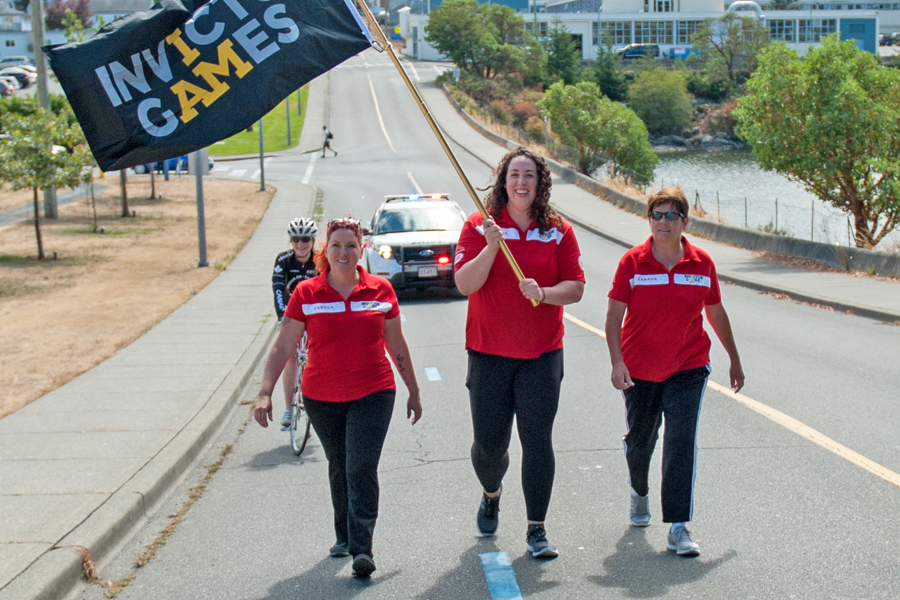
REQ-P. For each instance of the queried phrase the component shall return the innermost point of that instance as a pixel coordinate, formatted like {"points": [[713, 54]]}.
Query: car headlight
{"points": [[385, 252]]}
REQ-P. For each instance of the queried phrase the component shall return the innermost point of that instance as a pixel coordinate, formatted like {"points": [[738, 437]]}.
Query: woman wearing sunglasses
{"points": [[292, 267], [660, 358], [348, 385]]}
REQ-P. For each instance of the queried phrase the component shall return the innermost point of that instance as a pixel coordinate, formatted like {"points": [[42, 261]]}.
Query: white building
{"points": [[668, 23]]}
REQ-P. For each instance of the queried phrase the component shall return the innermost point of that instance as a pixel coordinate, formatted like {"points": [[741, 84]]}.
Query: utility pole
{"points": [[43, 95]]}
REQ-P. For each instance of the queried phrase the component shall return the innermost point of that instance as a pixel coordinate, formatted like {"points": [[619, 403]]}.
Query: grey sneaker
{"points": [[339, 550], [363, 565], [488, 518], [538, 544], [680, 541], [286, 419], [640, 510]]}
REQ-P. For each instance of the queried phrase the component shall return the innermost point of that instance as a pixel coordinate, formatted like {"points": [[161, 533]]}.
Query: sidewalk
{"points": [[868, 297], [84, 463]]}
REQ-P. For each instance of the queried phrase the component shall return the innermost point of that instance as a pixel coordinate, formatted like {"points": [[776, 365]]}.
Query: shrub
{"points": [[523, 111], [660, 98]]}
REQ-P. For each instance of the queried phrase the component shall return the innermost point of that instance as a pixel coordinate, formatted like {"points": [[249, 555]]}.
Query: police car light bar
{"points": [[414, 197]]}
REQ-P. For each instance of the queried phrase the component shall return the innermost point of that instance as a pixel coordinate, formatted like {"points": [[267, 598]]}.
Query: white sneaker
{"points": [[640, 510], [680, 541]]}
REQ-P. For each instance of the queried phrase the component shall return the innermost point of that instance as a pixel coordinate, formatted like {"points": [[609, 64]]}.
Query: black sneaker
{"points": [[488, 518], [538, 544], [339, 550], [363, 565]]}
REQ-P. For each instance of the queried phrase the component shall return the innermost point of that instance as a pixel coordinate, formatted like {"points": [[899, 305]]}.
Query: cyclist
{"points": [[292, 267]]}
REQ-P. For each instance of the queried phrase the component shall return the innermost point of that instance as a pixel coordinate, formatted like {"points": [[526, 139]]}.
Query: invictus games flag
{"points": [[164, 82]]}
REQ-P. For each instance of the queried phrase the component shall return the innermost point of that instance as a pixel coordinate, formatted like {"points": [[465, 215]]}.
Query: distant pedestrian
{"points": [[326, 141], [660, 358], [516, 349], [348, 385]]}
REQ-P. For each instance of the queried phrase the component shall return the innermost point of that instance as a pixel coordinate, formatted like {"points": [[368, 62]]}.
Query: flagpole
{"points": [[440, 136]]}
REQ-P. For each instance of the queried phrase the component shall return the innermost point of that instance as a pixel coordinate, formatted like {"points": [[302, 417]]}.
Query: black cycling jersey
{"points": [[287, 274]]}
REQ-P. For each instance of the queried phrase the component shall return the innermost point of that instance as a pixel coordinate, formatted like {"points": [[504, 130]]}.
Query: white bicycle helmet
{"points": [[302, 227]]}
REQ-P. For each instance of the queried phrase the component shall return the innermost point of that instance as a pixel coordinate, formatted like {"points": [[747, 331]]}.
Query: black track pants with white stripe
{"points": [[677, 400]]}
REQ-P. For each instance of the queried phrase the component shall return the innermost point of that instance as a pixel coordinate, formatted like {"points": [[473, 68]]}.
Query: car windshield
{"points": [[438, 218]]}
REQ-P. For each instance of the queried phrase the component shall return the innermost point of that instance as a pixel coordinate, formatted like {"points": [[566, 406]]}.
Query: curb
{"points": [[57, 572]]}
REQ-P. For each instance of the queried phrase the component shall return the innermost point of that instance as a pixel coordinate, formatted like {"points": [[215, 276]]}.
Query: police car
{"points": [[411, 240]]}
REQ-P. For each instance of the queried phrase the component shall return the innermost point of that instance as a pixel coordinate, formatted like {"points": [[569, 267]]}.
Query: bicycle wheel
{"points": [[299, 428]]}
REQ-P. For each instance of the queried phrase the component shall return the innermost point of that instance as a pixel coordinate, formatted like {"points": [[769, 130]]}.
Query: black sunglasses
{"points": [[302, 238], [670, 216]]}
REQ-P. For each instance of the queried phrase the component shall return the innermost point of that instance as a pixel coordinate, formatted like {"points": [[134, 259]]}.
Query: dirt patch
{"points": [[59, 318]]}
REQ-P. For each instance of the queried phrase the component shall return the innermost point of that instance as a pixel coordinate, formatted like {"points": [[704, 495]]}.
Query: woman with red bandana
{"points": [[348, 386]]}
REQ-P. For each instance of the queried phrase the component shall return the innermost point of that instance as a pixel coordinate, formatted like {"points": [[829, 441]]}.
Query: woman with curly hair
{"points": [[515, 349]]}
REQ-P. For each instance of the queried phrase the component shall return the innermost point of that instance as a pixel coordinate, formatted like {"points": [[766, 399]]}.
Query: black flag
{"points": [[164, 82]]}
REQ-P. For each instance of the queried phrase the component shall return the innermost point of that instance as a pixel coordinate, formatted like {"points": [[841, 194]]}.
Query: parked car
{"points": [[639, 51], [14, 61], [24, 76], [411, 240], [886, 40], [8, 85], [176, 165]]}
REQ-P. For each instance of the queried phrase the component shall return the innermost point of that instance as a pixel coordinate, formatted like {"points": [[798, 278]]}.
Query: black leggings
{"points": [[501, 388], [352, 435]]}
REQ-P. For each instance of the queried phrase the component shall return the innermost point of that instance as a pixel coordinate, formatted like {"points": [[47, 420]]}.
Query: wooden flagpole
{"points": [[383, 41]]}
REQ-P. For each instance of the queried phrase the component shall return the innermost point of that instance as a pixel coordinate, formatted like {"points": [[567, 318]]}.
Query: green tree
{"points": [[599, 129], [782, 5], [484, 39], [729, 47], [41, 151], [562, 54], [606, 72], [830, 121], [660, 98], [56, 13]]}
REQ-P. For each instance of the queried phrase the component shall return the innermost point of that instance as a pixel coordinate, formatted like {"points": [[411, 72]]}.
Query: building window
{"points": [[662, 6], [541, 31], [813, 30], [10, 43], [653, 32], [616, 32], [685, 30], [782, 30]]}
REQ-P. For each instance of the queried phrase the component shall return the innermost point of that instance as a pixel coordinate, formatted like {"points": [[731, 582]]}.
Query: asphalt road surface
{"points": [[776, 515]]}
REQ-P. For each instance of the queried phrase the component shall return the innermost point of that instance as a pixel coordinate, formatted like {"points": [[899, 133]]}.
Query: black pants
{"points": [[352, 434], [501, 388], [678, 399]]}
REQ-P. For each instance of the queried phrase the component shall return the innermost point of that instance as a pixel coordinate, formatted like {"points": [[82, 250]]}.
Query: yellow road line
{"points": [[414, 182], [785, 421], [378, 114]]}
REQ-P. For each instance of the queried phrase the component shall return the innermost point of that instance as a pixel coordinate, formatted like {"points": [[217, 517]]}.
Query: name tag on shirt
{"points": [[362, 305], [701, 280], [323, 307], [658, 279], [551, 235]]}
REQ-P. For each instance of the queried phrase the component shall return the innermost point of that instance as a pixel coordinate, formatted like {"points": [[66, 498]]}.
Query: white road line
{"points": [[440, 70], [309, 168], [378, 113], [786, 421], [413, 69], [255, 174], [432, 374], [415, 184], [238, 172]]}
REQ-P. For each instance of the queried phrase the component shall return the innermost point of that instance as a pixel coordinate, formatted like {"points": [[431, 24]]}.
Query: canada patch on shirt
{"points": [[685, 279], [551, 235], [323, 307], [658, 279], [363, 305]]}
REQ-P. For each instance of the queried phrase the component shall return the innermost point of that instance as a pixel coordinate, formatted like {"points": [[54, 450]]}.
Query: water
{"points": [[735, 176]]}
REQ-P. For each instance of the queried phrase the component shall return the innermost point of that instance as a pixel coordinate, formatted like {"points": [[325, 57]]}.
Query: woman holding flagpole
{"points": [[515, 348]]}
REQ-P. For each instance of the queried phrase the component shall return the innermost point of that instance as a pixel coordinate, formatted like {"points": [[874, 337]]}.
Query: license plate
{"points": [[427, 271]]}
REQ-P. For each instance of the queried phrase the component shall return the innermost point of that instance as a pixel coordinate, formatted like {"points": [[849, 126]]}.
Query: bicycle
{"points": [[299, 427]]}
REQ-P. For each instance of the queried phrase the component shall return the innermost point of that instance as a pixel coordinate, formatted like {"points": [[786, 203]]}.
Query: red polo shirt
{"points": [[500, 320], [346, 337], [663, 331]]}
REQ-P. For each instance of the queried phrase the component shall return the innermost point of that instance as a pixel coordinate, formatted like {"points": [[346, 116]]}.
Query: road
{"points": [[776, 515]]}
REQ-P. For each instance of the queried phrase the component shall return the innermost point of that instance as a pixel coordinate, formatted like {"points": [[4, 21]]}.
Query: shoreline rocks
{"points": [[696, 141]]}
